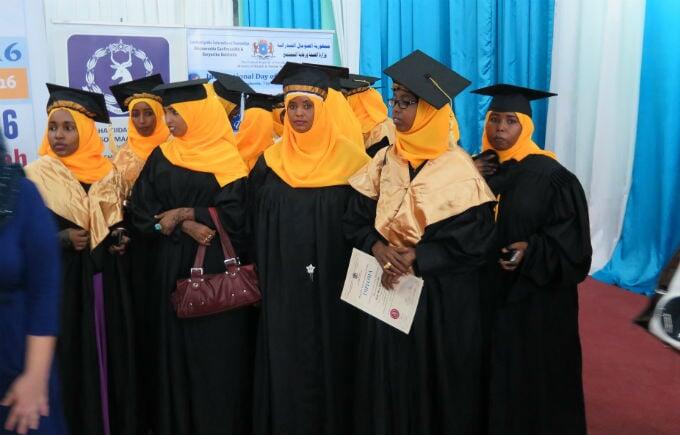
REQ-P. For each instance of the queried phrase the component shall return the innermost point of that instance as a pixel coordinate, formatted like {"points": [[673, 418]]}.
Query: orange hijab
{"points": [[87, 163], [209, 143], [319, 157], [143, 145], [276, 117], [524, 145], [344, 118], [255, 134], [369, 108], [429, 135]]}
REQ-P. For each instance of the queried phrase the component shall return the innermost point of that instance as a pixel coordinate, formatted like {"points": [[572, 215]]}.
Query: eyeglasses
{"points": [[403, 104]]}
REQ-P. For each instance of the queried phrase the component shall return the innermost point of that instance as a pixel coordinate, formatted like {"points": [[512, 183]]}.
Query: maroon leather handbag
{"points": [[202, 294]]}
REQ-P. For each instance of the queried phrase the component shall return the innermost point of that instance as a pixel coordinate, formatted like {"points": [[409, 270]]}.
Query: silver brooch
{"points": [[310, 272]]}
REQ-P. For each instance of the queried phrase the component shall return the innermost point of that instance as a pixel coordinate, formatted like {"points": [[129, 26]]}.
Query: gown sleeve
{"points": [[358, 222], [456, 244], [560, 252], [231, 206], [42, 282], [143, 204]]}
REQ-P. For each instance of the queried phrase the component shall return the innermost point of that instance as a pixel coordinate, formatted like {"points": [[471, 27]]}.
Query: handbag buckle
{"points": [[196, 272], [236, 262]]}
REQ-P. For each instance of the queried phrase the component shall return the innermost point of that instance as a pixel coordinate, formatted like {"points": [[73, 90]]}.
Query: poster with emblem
{"points": [[23, 73], [255, 54], [93, 58]]}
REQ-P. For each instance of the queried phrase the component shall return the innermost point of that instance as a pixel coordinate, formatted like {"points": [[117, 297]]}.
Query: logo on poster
{"points": [[263, 49], [121, 57]]}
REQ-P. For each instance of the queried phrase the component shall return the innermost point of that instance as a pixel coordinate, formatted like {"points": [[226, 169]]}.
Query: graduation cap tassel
{"points": [[113, 146], [434, 82]]}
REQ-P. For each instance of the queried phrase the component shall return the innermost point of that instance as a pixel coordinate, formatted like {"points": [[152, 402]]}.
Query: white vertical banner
{"points": [[93, 57], [347, 16], [592, 124], [23, 73], [255, 54]]}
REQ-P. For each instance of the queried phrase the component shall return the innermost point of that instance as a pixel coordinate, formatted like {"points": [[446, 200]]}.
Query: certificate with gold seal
{"points": [[396, 307]]}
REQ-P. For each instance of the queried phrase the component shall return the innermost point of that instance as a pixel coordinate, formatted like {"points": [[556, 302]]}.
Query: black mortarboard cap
{"points": [[230, 87], [335, 74], [179, 92], [302, 75], [93, 103], [124, 92], [427, 78], [356, 81], [278, 101], [510, 98], [263, 101]]}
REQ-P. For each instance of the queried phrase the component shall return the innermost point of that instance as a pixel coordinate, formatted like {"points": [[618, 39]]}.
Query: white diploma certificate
{"points": [[396, 307]]}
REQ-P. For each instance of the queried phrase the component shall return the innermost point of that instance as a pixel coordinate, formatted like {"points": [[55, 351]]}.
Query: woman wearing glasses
{"points": [[423, 209]]}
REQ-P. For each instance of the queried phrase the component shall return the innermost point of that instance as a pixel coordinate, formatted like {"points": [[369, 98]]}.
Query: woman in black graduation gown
{"points": [[423, 208], [299, 192], [146, 130], [203, 365], [95, 352], [542, 219]]}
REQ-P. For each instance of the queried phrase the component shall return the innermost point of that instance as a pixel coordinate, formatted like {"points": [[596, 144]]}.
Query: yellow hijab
{"points": [[255, 135], [276, 118], [87, 163], [344, 118], [143, 145], [209, 143], [524, 145], [319, 157], [428, 137], [369, 108]]}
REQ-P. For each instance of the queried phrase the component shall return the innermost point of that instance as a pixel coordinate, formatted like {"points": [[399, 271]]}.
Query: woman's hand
{"points": [[486, 164], [389, 280], [521, 248], [408, 256], [168, 220], [390, 260], [28, 400], [79, 238], [199, 232]]}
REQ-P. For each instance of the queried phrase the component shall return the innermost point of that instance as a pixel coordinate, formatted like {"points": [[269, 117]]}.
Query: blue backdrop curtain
{"points": [[487, 41], [651, 226], [293, 14]]}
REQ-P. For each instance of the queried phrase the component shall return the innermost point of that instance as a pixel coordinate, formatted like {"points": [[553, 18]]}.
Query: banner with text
{"points": [[255, 54], [23, 72]]}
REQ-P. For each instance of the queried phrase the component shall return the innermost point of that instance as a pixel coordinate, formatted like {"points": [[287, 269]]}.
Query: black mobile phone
{"points": [[120, 235], [511, 255]]}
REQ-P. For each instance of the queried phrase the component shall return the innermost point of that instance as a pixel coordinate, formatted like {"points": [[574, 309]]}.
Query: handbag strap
{"points": [[225, 241]]}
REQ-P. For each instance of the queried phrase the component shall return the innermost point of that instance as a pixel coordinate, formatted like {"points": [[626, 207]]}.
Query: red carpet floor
{"points": [[631, 380]]}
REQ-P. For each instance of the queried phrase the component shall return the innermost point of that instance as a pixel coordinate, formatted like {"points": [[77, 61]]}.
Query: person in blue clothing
{"points": [[29, 305]]}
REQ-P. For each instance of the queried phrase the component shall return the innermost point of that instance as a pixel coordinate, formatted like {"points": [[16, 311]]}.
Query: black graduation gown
{"points": [[77, 354], [202, 366], [306, 338], [536, 386], [373, 149], [141, 260], [430, 381]]}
